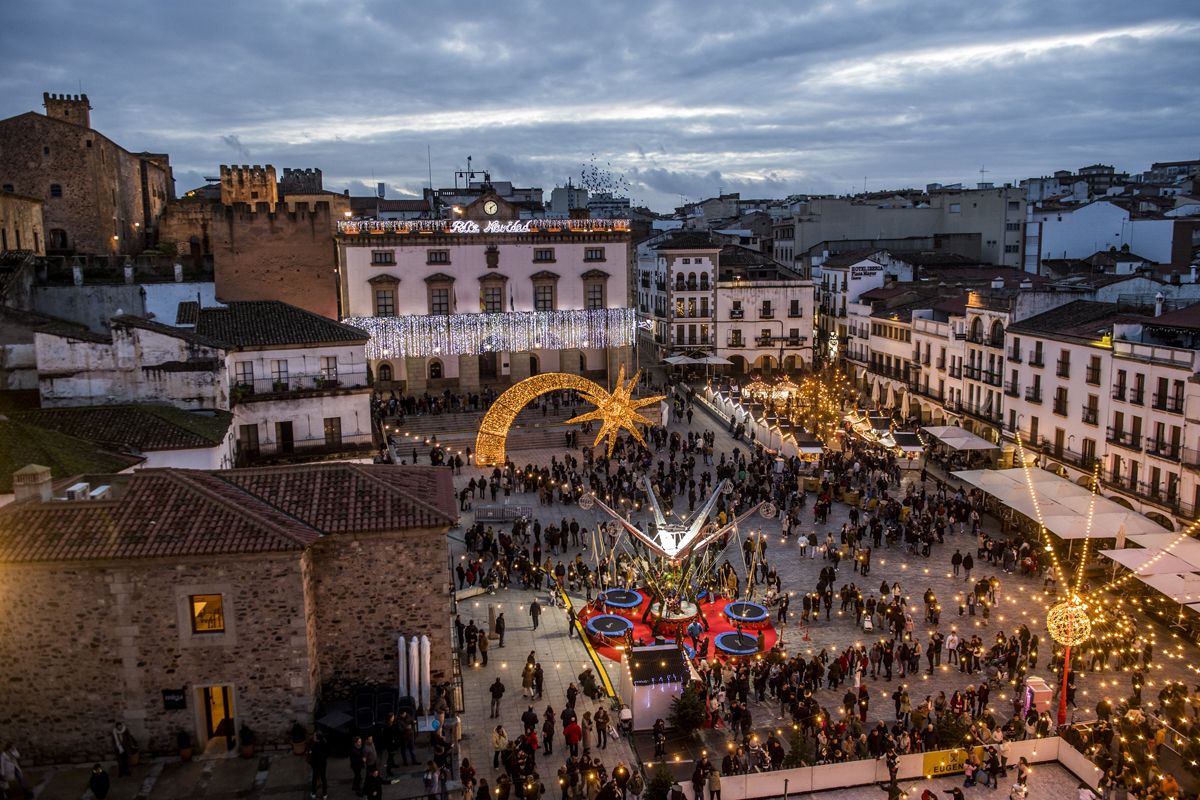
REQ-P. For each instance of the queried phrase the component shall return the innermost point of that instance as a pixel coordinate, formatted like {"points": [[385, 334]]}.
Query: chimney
{"points": [[997, 282], [31, 482], [1158, 304], [1026, 284]]}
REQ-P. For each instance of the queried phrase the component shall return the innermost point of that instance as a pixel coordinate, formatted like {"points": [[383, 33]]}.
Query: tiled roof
{"points": [[850, 257], [168, 513], [263, 323], [1186, 317], [689, 240], [344, 498], [135, 427], [22, 444], [1080, 318]]}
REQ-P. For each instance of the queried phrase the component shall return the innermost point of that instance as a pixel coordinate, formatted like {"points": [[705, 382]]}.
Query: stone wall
{"points": [[259, 254], [106, 191], [87, 643], [21, 223], [371, 589]]}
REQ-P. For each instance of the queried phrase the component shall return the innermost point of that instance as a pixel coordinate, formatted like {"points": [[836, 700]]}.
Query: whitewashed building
{"points": [[293, 380], [488, 298]]}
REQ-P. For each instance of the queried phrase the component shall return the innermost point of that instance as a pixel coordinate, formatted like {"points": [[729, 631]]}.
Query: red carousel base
{"points": [[644, 632]]}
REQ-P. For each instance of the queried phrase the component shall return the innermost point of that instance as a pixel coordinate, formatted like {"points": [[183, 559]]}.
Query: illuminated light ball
{"points": [[586, 502], [768, 511], [1068, 622]]}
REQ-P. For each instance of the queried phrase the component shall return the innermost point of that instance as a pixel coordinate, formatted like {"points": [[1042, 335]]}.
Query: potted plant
{"points": [[279, 386], [299, 739], [247, 738], [183, 741]]}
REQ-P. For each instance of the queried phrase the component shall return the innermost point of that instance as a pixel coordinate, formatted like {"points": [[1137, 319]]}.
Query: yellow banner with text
{"points": [[947, 762]]}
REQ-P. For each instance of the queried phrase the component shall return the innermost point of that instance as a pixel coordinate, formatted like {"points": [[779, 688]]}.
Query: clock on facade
{"points": [[490, 208]]}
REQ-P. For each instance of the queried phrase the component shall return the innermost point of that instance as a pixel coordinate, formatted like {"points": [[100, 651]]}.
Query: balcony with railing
{"points": [[1172, 405], [1126, 439], [991, 378], [766, 312], [1137, 397], [735, 341], [737, 312], [1060, 407], [955, 370], [989, 412], [941, 363], [1061, 454], [1014, 355], [246, 390], [1036, 359], [1012, 389], [1163, 449], [1157, 354], [1091, 415], [1062, 368], [1034, 394], [1118, 392], [1092, 375], [972, 372]]}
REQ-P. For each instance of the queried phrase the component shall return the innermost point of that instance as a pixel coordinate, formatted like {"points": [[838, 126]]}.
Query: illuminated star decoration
{"points": [[617, 409]]}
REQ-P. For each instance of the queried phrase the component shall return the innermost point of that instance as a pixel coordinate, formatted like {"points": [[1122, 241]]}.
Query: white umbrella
{"points": [[715, 360], [677, 360]]}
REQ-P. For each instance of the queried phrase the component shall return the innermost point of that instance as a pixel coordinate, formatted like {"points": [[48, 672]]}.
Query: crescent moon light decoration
{"points": [[615, 410]]}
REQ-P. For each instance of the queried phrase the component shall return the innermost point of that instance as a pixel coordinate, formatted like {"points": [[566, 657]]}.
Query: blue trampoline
{"points": [[622, 598], [747, 613], [736, 644], [608, 626]]}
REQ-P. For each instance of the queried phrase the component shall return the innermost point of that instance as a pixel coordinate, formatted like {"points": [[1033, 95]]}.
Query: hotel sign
{"points": [[466, 227]]}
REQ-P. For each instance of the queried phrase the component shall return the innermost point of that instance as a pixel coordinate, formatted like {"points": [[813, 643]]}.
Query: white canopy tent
{"points": [[1185, 547], [1149, 562], [1182, 587], [1063, 504], [957, 438]]}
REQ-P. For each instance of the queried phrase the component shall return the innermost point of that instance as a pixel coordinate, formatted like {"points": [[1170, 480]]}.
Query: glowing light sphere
{"points": [[768, 511], [1068, 622], [586, 502]]}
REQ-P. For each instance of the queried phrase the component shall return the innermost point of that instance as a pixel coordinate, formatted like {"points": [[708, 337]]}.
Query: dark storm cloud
{"points": [[682, 98]]}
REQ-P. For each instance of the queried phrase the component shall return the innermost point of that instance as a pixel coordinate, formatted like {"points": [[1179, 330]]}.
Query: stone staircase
{"points": [[530, 430]]}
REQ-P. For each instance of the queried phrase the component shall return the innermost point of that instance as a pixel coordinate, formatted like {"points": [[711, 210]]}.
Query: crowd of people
{"points": [[924, 518]]}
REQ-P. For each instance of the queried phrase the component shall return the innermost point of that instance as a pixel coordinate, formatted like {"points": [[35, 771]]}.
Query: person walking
{"points": [[125, 746], [483, 648], [497, 691], [535, 611], [318, 763], [356, 764], [499, 745], [98, 782], [500, 625]]}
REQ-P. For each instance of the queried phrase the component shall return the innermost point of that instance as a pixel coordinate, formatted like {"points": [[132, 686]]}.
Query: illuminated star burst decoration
{"points": [[617, 409]]}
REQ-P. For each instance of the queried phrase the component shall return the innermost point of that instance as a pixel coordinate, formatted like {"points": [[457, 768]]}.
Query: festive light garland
{"points": [[616, 410], [448, 226], [425, 335]]}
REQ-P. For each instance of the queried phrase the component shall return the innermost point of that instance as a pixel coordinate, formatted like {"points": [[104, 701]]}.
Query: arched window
{"points": [[534, 364], [691, 281], [997, 333], [679, 281], [977, 329], [704, 280], [435, 370], [385, 372], [582, 362], [57, 239]]}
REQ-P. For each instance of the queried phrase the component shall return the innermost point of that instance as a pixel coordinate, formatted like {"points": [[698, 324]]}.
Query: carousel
{"points": [[678, 587]]}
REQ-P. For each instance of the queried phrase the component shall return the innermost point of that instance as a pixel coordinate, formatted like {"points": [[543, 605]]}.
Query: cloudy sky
{"points": [[680, 98]]}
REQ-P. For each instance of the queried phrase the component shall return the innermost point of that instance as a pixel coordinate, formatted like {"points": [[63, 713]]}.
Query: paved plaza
{"points": [[277, 774]]}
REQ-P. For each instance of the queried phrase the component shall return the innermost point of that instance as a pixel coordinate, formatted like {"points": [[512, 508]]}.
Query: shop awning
{"points": [[957, 438], [1149, 562], [908, 441], [1063, 504]]}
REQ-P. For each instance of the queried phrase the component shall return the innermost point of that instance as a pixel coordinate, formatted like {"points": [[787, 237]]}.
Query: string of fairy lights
{"points": [[431, 335]]}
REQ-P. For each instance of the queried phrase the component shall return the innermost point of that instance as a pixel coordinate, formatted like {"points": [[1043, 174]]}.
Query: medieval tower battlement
{"points": [[73, 108]]}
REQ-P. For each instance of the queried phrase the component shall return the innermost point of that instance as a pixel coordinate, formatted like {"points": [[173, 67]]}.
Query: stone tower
{"points": [[73, 108], [251, 185]]}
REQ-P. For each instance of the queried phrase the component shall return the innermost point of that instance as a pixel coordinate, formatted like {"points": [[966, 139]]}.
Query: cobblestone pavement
{"points": [[286, 775]]}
